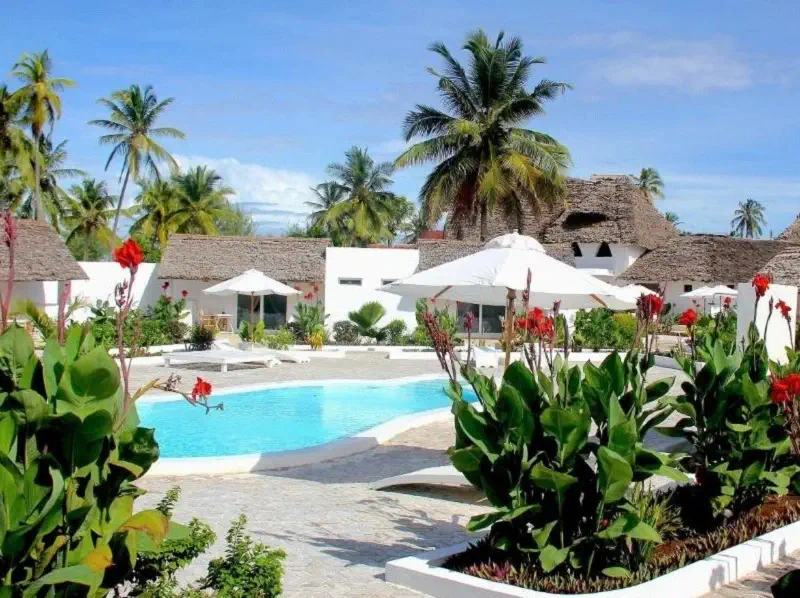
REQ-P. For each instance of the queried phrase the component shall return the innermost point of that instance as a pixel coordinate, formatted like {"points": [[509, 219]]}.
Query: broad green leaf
{"points": [[613, 365], [151, 521], [659, 388], [479, 522], [622, 433], [788, 586], [33, 405], [550, 557], [478, 431], [738, 427], [468, 459], [519, 377], [569, 427], [52, 366], [77, 574], [754, 394], [615, 474], [550, 479], [752, 473], [542, 536]]}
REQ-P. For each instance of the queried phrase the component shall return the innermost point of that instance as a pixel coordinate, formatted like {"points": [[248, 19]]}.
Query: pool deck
{"points": [[338, 533]]}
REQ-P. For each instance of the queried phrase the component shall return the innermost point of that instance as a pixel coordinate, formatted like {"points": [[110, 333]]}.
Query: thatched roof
{"points": [[704, 258], [434, 253], [785, 266], [605, 208], [40, 254], [792, 232], [201, 257]]}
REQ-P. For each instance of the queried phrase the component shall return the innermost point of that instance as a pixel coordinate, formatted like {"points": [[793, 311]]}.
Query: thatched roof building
{"points": [[792, 232], [206, 258], [40, 255], [606, 208], [434, 253], [785, 266], [704, 258]]}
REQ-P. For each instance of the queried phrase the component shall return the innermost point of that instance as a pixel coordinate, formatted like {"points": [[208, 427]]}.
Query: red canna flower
{"points": [[793, 380], [316, 288], [727, 301], [688, 318], [202, 389], [129, 255], [780, 391], [308, 296], [650, 306], [165, 285], [184, 293], [761, 284], [784, 309]]}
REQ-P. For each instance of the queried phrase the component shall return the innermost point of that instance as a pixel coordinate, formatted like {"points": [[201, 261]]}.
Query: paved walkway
{"points": [[338, 533]]}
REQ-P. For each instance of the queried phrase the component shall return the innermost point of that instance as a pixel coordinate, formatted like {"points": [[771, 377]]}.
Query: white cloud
{"points": [[706, 203], [693, 66], [274, 197], [390, 147]]}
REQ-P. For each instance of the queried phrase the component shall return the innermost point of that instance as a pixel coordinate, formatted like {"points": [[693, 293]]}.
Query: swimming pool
{"points": [[285, 418]]}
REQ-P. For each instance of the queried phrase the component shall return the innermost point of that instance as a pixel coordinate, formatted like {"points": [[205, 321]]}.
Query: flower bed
{"points": [[558, 450]]}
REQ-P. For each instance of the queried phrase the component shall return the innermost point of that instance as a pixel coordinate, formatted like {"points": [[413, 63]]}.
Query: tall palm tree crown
{"points": [[748, 219], [133, 115], [155, 207], [649, 181], [673, 218], [202, 201], [40, 104], [326, 196], [54, 200], [484, 158], [366, 202], [89, 214]]}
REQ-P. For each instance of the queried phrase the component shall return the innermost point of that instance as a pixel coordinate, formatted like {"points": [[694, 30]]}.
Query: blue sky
{"points": [[269, 93]]}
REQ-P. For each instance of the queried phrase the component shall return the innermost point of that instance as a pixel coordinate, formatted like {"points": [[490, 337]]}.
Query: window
{"points": [[491, 319], [354, 282], [687, 288], [604, 250], [243, 308], [576, 250], [730, 286], [274, 315], [385, 281]]}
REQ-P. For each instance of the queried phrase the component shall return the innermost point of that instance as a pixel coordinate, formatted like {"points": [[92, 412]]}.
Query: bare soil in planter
{"points": [[483, 561]]}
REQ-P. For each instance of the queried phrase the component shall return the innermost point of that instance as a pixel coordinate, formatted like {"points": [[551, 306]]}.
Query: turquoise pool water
{"points": [[280, 419]]}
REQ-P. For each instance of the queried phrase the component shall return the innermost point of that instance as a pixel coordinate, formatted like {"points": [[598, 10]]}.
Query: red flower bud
{"points": [[784, 308], [184, 293]]}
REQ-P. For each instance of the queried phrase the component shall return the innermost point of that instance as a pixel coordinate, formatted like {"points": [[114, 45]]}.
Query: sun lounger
{"points": [[482, 357], [222, 358], [279, 355], [445, 475]]}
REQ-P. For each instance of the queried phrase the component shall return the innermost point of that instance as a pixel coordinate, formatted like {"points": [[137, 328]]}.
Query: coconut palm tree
{"points": [[89, 214], [155, 207], [417, 225], [326, 196], [54, 200], [484, 158], [133, 115], [673, 218], [748, 219], [16, 152], [649, 181], [202, 201], [401, 216], [366, 201], [40, 104]]}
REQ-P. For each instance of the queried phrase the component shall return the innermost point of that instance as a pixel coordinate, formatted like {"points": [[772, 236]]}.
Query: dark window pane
{"points": [[687, 288], [274, 311], [243, 309], [493, 319]]}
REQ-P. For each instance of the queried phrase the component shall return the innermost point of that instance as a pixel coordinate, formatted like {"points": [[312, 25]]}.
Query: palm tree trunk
{"points": [[37, 183], [484, 221], [121, 199]]}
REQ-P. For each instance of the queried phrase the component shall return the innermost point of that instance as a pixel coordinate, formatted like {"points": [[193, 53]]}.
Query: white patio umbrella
{"points": [[251, 282], [486, 277], [633, 291], [493, 275], [712, 292]]}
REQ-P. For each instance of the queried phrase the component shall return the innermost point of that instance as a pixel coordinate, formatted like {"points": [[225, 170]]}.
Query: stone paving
{"points": [[337, 532]]}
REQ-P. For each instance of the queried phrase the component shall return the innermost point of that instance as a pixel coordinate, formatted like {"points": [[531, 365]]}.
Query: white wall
{"points": [[622, 256], [103, 279], [778, 335], [371, 266]]}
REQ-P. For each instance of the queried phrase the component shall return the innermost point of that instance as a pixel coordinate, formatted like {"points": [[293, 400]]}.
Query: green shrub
{"points": [[601, 328], [308, 319], [396, 332], [201, 338], [154, 573], [177, 330], [366, 318], [531, 449], [447, 322], [248, 569], [345, 333], [625, 328], [280, 340], [70, 451]]}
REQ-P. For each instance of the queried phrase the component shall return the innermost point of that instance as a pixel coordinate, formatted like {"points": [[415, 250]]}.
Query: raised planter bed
{"points": [[424, 572]]}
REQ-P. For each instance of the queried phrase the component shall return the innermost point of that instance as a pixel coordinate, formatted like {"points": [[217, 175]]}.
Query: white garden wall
{"points": [[778, 335], [103, 279], [372, 266]]}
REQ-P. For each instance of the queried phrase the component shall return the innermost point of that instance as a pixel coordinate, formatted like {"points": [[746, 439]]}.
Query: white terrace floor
{"points": [[339, 533]]}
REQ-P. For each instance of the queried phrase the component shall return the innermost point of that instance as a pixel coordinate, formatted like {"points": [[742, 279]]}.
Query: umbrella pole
{"points": [[509, 323], [252, 297]]}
